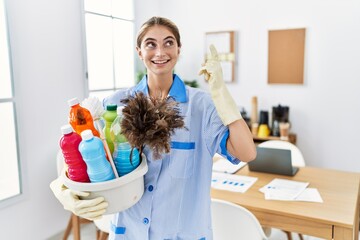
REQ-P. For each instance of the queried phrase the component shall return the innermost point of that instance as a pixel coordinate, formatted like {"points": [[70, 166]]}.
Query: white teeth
{"points": [[160, 62]]}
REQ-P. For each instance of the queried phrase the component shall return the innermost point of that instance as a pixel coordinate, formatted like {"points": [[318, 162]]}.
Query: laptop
{"points": [[273, 160]]}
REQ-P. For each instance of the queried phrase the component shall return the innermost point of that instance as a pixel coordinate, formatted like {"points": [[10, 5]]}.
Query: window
{"points": [[109, 33], [9, 163]]}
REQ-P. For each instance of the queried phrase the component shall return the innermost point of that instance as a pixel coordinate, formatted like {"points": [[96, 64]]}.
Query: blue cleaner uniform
{"points": [[176, 201]]}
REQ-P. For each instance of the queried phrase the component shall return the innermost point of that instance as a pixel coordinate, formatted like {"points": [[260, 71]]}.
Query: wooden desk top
{"points": [[339, 191]]}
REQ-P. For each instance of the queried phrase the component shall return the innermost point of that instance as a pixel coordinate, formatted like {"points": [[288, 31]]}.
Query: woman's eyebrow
{"points": [[169, 37], [153, 39], [149, 39]]}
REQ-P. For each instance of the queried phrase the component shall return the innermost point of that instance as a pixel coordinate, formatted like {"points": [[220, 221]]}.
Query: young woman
{"points": [[176, 201]]}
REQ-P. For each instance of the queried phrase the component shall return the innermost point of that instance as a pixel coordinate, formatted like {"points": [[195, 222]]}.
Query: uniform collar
{"points": [[177, 89]]}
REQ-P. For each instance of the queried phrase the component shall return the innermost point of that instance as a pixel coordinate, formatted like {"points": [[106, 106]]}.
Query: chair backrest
{"points": [[297, 158], [104, 223], [231, 221]]}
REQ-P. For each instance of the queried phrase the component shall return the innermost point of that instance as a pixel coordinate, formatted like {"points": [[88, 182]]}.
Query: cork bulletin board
{"points": [[286, 56], [224, 41]]}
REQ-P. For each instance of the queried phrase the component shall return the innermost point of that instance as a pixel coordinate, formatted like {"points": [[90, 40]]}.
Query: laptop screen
{"points": [[273, 160]]}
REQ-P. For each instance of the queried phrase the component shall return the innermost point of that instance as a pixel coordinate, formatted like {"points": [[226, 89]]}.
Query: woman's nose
{"points": [[159, 51]]}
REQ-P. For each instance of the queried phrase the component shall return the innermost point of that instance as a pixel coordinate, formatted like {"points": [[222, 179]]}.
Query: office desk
{"points": [[336, 218]]}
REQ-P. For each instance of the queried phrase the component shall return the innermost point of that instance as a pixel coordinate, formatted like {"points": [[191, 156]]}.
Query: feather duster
{"points": [[150, 122]]}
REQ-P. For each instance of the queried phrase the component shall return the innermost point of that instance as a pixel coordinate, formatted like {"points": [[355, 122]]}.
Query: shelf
{"points": [[257, 140]]}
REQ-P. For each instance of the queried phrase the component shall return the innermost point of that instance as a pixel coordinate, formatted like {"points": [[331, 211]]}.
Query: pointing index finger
{"points": [[213, 52]]}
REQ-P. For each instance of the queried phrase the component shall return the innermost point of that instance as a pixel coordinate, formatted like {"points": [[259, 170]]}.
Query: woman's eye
{"points": [[150, 45], [169, 43]]}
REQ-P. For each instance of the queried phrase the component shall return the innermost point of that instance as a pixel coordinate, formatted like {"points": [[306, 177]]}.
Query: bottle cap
{"points": [[87, 134], [111, 107], [73, 101], [119, 110], [66, 129]]}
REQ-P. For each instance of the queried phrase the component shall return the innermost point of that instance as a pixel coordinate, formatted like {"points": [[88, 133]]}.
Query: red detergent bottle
{"points": [[69, 144], [80, 118]]}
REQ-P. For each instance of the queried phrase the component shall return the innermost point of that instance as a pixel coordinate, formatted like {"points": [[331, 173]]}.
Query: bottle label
{"points": [[116, 129], [80, 117]]}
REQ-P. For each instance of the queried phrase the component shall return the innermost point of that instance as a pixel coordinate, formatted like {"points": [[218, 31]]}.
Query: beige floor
{"points": [[88, 232]]}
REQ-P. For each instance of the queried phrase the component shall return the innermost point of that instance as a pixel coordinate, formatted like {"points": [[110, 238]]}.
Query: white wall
{"points": [[144, 10], [325, 111], [48, 70], [48, 66]]}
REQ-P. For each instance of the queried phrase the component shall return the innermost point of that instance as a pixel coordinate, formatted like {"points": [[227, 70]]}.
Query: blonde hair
{"points": [[158, 21]]}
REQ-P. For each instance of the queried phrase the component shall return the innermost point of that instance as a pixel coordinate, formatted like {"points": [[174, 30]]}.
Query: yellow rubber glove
{"points": [[90, 209], [224, 103]]}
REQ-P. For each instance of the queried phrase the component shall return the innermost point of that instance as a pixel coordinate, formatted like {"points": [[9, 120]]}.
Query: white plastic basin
{"points": [[121, 193]]}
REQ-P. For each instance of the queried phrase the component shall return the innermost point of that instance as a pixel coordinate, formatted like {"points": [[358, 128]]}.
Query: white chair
{"points": [[231, 221], [297, 159], [103, 227], [296, 155]]}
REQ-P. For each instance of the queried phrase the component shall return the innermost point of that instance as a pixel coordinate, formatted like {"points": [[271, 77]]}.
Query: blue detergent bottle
{"points": [[122, 148], [122, 161], [93, 153]]}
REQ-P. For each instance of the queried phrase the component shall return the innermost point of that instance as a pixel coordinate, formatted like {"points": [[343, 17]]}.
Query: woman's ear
{"points": [[138, 50]]}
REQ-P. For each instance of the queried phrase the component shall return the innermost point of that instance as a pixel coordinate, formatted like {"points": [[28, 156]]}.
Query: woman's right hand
{"points": [[71, 200], [224, 103]]}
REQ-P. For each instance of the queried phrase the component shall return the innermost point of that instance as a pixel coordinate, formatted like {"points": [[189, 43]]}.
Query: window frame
{"points": [[14, 198], [109, 91]]}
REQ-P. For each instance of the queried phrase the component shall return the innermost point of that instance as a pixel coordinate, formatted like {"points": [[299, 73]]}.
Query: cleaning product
{"points": [[96, 109], [109, 116], [115, 128], [93, 153], [124, 161], [80, 118], [69, 144], [124, 164]]}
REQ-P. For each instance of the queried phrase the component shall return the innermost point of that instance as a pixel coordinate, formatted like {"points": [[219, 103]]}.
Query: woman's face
{"points": [[159, 50]]}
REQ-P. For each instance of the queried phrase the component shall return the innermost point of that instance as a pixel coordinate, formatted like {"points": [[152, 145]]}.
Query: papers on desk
{"points": [[225, 166], [230, 182], [310, 195], [281, 189], [288, 190]]}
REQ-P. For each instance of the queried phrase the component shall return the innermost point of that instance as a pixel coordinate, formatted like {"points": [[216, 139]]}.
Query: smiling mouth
{"points": [[160, 61]]}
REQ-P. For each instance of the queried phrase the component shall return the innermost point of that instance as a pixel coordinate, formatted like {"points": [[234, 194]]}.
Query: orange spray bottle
{"points": [[80, 118]]}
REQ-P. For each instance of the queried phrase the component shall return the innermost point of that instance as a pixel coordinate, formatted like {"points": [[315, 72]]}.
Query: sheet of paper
{"points": [[282, 189], [225, 166], [310, 195], [230, 182]]}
